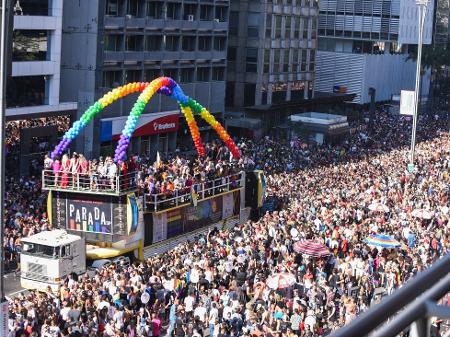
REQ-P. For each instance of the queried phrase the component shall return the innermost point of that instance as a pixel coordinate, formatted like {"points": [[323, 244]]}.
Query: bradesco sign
{"points": [[147, 124]]}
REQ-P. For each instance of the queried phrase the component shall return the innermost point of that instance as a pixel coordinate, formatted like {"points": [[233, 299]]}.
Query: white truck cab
{"points": [[48, 257]]}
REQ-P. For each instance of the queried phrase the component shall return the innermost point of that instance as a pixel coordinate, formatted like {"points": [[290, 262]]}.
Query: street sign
{"points": [[407, 102], [4, 329], [410, 168]]}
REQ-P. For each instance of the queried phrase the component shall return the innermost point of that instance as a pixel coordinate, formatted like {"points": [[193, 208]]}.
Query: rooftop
{"points": [[54, 238]]}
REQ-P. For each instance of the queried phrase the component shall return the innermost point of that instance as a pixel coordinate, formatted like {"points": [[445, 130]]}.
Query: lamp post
{"points": [[422, 8]]}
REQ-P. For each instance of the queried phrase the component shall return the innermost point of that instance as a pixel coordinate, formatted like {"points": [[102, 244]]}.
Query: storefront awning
{"points": [[244, 122]]}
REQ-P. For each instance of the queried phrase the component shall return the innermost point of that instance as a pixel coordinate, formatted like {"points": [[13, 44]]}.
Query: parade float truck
{"points": [[101, 220]]}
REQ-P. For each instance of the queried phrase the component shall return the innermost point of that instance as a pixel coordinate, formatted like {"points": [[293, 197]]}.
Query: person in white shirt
{"points": [[200, 312], [189, 305]]}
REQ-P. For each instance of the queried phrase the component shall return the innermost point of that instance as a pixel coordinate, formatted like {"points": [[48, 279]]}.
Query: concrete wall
{"points": [[388, 74]]}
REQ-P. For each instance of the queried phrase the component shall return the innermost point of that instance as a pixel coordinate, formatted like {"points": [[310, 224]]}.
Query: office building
{"points": [[272, 51], [33, 90], [33, 87], [107, 43], [366, 43]]}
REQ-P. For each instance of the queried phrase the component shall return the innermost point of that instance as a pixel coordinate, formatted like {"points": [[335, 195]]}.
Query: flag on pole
{"points": [[194, 197], [158, 159]]}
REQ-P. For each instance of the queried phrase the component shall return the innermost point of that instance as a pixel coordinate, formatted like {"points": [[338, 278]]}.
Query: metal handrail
{"points": [[158, 202], [416, 297], [91, 183]]}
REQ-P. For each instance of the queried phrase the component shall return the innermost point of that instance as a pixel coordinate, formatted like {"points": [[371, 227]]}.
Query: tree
{"points": [[436, 58]]}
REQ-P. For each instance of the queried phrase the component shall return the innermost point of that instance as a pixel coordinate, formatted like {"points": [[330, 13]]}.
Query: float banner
{"points": [[91, 213], [207, 212]]}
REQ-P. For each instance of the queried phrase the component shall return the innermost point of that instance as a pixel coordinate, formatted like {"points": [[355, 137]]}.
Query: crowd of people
{"points": [[217, 284], [162, 178]]}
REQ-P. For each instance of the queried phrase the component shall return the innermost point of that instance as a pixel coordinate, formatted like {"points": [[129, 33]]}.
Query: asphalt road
{"points": [[12, 285]]}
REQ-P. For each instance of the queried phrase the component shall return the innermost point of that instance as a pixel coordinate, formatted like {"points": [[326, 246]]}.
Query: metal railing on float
{"points": [[162, 201], [408, 311], [90, 183]]}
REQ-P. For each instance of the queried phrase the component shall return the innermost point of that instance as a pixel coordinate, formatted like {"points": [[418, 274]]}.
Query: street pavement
{"points": [[12, 285]]}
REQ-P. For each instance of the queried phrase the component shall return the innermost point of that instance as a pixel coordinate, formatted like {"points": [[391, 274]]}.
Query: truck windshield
{"points": [[40, 250]]}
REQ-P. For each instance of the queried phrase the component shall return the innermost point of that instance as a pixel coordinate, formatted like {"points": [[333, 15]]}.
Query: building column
{"points": [[305, 92], [269, 93], [288, 93]]}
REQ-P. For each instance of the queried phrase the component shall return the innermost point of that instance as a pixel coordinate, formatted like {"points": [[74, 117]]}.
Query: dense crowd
{"points": [[217, 285]]}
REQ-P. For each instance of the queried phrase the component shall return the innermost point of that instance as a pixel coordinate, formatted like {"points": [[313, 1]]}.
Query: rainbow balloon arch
{"points": [[162, 85]]}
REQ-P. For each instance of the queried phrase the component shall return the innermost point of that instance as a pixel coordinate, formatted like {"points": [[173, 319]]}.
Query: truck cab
{"points": [[48, 257]]}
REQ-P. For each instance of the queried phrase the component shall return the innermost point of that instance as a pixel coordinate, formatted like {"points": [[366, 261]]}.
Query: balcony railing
{"points": [[94, 183], [409, 309], [162, 201]]}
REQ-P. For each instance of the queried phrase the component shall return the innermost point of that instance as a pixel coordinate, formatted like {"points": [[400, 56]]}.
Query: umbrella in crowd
{"points": [[382, 240], [422, 213], [311, 248], [280, 281], [378, 207]]}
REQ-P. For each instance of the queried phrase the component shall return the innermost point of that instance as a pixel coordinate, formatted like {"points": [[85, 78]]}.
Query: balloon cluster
{"points": [[163, 85], [193, 128], [188, 106], [138, 107], [93, 110]]}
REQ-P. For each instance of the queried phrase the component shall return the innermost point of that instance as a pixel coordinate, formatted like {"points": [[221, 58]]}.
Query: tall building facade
{"points": [[272, 51], [33, 90], [107, 43], [366, 43]]}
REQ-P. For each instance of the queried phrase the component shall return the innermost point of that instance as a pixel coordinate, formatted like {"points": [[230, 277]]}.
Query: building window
{"points": [[304, 59], [266, 61], [204, 43], [25, 91], [276, 61], [113, 42], [229, 94], [153, 43], [132, 8], [206, 12], [133, 76], [234, 23], [112, 7], [277, 26], [268, 26], [32, 7], [112, 79], [306, 28], [202, 74], [173, 11], [171, 72], [221, 13], [218, 74], [187, 75], [172, 42], [190, 12], [154, 9], [188, 43], [286, 61], [287, 34], [133, 43], [231, 54], [296, 24], [314, 28], [295, 67], [253, 24], [249, 94], [220, 43], [251, 60], [30, 45], [151, 74]]}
